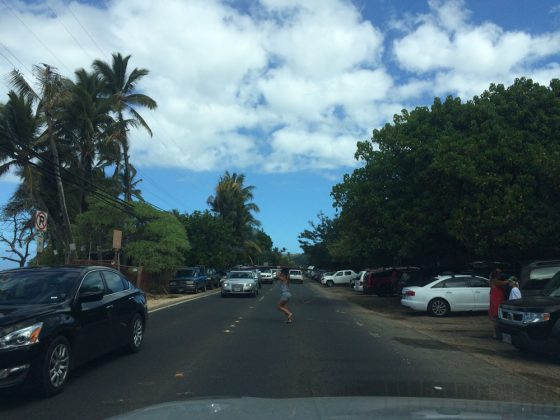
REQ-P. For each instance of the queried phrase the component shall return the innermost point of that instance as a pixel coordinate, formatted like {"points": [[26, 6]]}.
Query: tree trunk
{"points": [[127, 188], [60, 188]]}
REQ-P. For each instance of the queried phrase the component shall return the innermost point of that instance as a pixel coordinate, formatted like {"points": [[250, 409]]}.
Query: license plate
{"points": [[506, 338]]}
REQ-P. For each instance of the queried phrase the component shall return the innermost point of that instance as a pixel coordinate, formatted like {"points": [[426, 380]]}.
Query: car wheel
{"points": [[136, 334], [56, 367], [330, 283], [438, 307]]}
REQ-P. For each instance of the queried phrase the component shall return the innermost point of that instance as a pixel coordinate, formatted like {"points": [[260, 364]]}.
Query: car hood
{"points": [[340, 407], [533, 304], [13, 314]]}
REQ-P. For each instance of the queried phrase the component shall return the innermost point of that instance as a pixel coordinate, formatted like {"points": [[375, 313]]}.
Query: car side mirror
{"points": [[93, 296]]}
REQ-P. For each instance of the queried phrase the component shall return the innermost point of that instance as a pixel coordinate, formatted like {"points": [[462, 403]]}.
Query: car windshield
{"points": [[189, 272], [552, 288], [539, 277], [240, 275], [33, 287]]}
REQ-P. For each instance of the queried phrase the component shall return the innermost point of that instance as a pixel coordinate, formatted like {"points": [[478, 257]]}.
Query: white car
{"points": [[266, 276], [449, 294], [359, 284], [241, 283], [296, 276], [340, 277]]}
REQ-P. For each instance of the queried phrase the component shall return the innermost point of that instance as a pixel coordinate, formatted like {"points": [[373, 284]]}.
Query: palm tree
{"points": [[232, 202], [121, 88], [51, 98], [87, 123]]}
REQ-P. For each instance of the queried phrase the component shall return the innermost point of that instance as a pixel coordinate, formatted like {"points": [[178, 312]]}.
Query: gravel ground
{"points": [[468, 331]]}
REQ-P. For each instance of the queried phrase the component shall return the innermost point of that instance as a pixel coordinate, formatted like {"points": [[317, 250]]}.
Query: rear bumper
{"points": [[414, 304]]}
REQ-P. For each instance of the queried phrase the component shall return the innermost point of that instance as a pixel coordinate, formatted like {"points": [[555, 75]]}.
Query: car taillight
{"points": [[410, 293]]}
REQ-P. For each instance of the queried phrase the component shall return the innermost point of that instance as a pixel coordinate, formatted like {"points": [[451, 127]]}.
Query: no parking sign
{"points": [[41, 221]]}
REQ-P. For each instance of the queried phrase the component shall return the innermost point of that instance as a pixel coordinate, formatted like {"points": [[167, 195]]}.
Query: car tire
{"points": [[330, 283], [136, 334], [438, 307], [56, 367]]}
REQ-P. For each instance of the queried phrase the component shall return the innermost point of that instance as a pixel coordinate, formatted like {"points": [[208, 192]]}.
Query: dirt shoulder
{"points": [[161, 301], [470, 332]]}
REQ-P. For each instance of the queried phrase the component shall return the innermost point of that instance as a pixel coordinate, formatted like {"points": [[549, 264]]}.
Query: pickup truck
{"points": [[532, 323], [188, 279], [340, 277]]}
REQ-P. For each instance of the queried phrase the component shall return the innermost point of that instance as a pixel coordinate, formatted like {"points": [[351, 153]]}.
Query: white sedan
{"points": [[449, 294]]}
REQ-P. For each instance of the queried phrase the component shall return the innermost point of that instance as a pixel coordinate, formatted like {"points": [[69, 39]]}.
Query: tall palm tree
{"points": [[51, 98], [87, 123], [233, 203], [121, 87]]}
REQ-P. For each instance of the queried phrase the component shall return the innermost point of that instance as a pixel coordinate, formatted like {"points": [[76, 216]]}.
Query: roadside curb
{"points": [[154, 305]]}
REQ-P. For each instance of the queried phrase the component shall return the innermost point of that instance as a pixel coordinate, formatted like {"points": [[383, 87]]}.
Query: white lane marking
{"points": [[359, 324], [227, 331], [151, 311], [260, 299], [374, 335]]}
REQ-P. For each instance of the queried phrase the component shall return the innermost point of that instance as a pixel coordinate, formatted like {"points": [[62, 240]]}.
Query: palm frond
{"points": [[141, 99], [18, 82], [140, 120]]}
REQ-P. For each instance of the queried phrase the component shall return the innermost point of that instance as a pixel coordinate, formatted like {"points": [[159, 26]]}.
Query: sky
{"points": [[279, 90]]}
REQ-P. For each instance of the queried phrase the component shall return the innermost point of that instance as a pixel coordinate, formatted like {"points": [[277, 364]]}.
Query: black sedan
{"points": [[53, 319]]}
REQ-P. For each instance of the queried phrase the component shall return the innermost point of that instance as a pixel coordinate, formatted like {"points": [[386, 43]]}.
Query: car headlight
{"points": [[532, 317], [248, 284], [226, 284], [23, 337]]}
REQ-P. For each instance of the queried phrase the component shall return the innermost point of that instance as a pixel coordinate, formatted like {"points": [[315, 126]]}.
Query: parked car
{"points": [[340, 277], [359, 284], [535, 275], [240, 283], [384, 281], [296, 276], [266, 276], [188, 279], [449, 294], [414, 277], [212, 278], [532, 323], [52, 319], [325, 274]]}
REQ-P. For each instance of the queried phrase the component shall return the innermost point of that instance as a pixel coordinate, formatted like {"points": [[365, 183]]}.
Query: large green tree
{"points": [[458, 180]]}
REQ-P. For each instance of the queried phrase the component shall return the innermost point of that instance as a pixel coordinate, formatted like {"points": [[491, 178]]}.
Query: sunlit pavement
{"points": [[240, 346]]}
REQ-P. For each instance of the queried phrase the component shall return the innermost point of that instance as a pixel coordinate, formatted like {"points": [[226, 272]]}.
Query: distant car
{"points": [[240, 283], [53, 319], [266, 276], [342, 277], [384, 281], [296, 276], [359, 283], [212, 278], [447, 294], [188, 279]]}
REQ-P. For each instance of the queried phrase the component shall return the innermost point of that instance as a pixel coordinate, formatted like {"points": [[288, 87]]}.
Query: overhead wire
{"points": [[85, 30], [70, 33]]}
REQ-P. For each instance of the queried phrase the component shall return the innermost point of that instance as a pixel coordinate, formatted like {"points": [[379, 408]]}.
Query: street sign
{"points": [[117, 239], [41, 221]]}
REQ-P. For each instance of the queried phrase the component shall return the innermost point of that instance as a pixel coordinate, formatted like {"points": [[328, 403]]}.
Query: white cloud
{"points": [[463, 58], [272, 85]]}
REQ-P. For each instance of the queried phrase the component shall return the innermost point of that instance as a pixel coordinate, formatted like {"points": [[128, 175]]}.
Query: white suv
{"points": [[296, 276], [340, 277]]}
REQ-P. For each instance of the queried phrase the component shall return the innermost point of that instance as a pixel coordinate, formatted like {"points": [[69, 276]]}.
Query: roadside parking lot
{"points": [[468, 331]]}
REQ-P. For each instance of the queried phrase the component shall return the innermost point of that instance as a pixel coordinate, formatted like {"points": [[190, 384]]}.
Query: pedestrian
{"points": [[285, 295], [515, 293], [497, 296]]}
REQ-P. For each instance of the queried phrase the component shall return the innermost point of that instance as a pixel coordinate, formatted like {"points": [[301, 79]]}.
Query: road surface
{"points": [[240, 346]]}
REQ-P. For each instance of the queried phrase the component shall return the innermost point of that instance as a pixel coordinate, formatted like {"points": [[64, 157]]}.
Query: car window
{"points": [[439, 285], [93, 282], [478, 282], [114, 282], [31, 287], [456, 282], [540, 276], [339, 274], [347, 273]]}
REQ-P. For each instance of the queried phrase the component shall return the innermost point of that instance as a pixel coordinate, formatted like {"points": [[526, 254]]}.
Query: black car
{"points": [[533, 323], [53, 319]]}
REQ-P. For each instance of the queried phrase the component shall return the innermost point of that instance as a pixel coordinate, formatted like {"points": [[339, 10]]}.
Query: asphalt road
{"points": [[233, 347]]}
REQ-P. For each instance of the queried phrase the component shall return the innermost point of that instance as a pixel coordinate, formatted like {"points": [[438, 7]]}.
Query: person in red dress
{"points": [[497, 296]]}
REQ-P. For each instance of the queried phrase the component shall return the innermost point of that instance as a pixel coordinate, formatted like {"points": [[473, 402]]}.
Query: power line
{"points": [[85, 30], [35, 35], [69, 33]]}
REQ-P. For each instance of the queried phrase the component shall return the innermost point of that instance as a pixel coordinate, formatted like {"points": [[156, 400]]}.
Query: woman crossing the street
{"points": [[285, 295]]}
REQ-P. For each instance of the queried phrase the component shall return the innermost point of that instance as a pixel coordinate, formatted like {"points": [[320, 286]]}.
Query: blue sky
{"points": [[279, 90]]}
